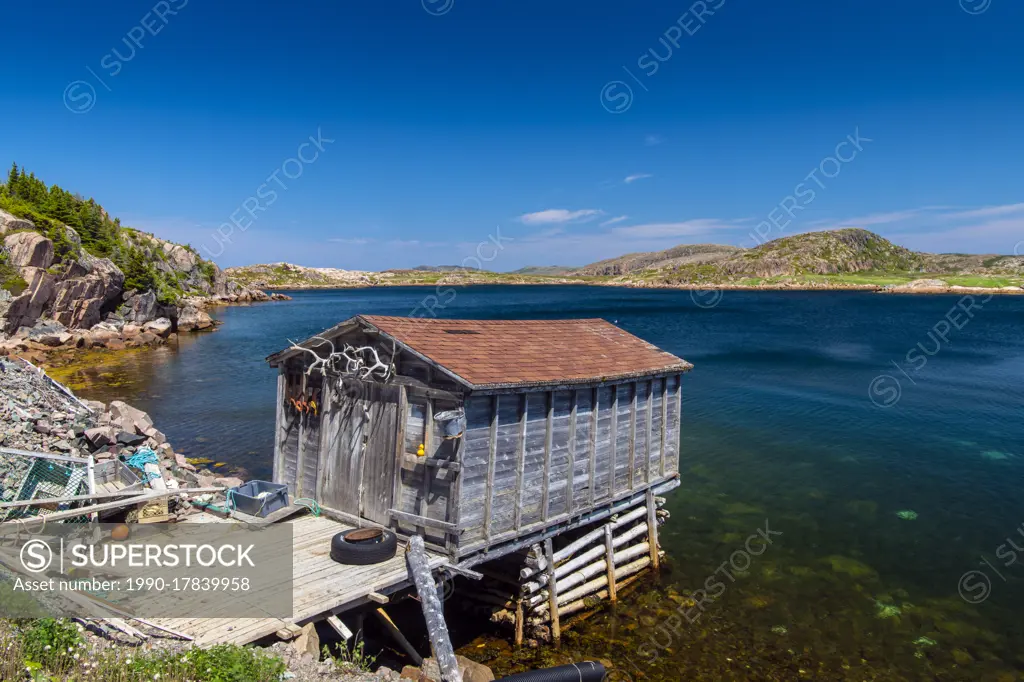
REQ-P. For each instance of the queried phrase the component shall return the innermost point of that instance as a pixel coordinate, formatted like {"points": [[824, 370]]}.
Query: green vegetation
{"points": [[53, 649], [354, 656], [51, 208]]}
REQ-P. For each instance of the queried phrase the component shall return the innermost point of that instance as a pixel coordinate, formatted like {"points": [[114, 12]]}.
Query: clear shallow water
{"points": [[779, 424]]}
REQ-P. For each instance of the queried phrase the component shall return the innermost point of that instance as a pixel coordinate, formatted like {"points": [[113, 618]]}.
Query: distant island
{"points": [[850, 258]]}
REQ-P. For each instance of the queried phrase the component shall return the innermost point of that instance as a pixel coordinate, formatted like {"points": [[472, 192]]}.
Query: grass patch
{"points": [[53, 649]]}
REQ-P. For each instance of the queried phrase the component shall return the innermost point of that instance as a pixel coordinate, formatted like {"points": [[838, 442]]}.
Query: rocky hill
{"points": [[66, 265], [845, 252], [685, 254], [837, 258], [289, 276]]}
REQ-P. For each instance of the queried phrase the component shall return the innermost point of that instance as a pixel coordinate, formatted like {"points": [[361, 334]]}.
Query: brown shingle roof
{"points": [[488, 353]]}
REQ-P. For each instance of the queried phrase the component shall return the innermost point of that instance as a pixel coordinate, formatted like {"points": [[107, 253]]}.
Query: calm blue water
{"points": [[782, 421]]}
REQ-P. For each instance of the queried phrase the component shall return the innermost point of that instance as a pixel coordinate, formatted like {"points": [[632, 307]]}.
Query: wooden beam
{"points": [[289, 631], [594, 400], [521, 462], [520, 624], [614, 452], [428, 449], [21, 524], [609, 551], [403, 415], [378, 598], [548, 432], [556, 629], [632, 438], [570, 485], [73, 498], [340, 628], [649, 428], [423, 521], [300, 448], [420, 388], [492, 456], [44, 455], [278, 471], [454, 509], [679, 417], [433, 610], [664, 422], [652, 527]]}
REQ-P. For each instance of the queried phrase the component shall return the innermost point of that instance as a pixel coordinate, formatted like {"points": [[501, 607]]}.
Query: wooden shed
{"points": [[476, 434]]}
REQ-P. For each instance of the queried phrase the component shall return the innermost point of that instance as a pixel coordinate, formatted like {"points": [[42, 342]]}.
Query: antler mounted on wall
{"points": [[364, 362]]}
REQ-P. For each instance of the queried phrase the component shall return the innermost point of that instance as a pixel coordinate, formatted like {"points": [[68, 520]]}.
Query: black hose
{"points": [[579, 672]]}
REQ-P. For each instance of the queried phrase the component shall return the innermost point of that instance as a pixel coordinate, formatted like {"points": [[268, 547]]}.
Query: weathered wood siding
{"points": [[532, 490], [583, 449], [605, 443], [673, 430], [475, 456], [624, 432], [541, 457], [526, 460]]}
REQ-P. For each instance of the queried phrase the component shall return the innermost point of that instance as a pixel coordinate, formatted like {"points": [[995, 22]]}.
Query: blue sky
{"points": [[562, 132]]}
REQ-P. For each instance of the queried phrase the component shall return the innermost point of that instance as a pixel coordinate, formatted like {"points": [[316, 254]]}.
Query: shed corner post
{"points": [[652, 528], [556, 626], [403, 409], [278, 471]]}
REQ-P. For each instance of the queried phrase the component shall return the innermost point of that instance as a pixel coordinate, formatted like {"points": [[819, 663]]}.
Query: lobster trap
{"points": [[40, 477]]}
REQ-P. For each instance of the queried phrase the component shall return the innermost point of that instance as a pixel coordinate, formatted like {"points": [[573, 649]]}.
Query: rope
{"points": [[140, 459], [309, 503]]}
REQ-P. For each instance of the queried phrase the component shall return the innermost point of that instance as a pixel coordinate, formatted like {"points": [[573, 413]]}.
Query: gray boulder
{"points": [[193, 318], [25, 309], [160, 326], [140, 308]]}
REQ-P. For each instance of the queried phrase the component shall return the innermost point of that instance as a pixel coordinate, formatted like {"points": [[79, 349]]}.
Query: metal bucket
{"points": [[453, 423]]}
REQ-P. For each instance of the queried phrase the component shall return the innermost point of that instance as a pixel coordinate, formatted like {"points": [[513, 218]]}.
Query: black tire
{"points": [[364, 552]]}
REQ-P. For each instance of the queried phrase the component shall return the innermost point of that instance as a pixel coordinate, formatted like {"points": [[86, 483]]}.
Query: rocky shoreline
{"points": [[67, 298], [38, 414]]}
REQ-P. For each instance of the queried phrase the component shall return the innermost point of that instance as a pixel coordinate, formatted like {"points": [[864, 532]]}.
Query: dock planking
{"points": [[320, 587]]}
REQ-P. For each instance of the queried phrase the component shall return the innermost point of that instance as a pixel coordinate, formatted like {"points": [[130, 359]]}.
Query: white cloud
{"points": [[987, 212], [356, 241], [630, 179], [612, 221], [653, 140], [554, 216]]}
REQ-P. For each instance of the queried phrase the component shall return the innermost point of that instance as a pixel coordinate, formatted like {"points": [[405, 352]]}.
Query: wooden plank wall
{"points": [[674, 415], [338, 484], [538, 457], [378, 466], [475, 455]]}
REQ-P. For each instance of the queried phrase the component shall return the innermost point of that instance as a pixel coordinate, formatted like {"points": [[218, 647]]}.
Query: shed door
{"points": [[360, 430]]}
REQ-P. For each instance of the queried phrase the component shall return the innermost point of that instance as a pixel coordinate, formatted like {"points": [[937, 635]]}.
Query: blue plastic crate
{"points": [[258, 498]]}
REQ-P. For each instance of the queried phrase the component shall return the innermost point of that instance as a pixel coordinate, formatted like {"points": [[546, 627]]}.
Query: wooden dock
{"points": [[320, 587]]}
